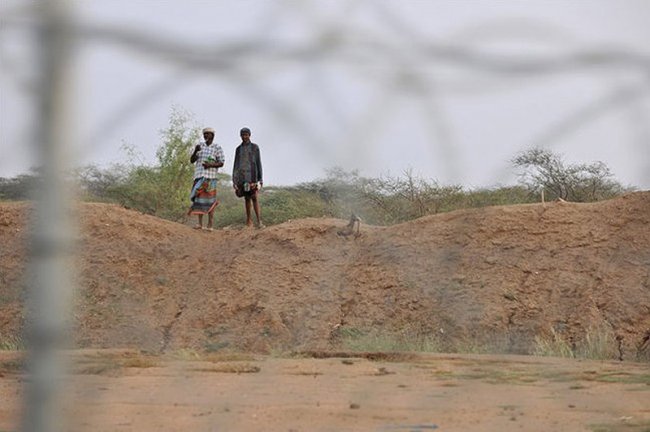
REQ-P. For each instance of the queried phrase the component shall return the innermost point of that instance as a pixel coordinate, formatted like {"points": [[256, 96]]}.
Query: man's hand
{"points": [[210, 163], [197, 148]]}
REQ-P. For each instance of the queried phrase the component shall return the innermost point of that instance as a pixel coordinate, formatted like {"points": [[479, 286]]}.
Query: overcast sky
{"points": [[451, 89]]}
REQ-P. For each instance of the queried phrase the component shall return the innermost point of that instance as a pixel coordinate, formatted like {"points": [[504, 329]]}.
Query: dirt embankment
{"points": [[508, 273]]}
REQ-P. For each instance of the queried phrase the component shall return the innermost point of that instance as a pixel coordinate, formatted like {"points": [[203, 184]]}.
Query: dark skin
{"points": [[252, 199], [209, 138]]}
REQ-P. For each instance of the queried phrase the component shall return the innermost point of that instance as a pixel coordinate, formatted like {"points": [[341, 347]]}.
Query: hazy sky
{"points": [[451, 89]]}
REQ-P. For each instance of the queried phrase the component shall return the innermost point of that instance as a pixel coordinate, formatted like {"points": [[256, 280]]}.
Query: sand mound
{"points": [[503, 273]]}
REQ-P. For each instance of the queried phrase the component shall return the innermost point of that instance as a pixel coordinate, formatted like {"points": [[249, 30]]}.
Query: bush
{"points": [[280, 205], [161, 190], [339, 191], [18, 188], [98, 184], [543, 170], [384, 200], [506, 195]]}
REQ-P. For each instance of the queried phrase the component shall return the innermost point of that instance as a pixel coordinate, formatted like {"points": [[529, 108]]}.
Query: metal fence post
{"points": [[51, 246]]}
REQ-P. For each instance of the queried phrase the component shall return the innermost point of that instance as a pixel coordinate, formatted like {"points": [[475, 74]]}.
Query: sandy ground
{"points": [[127, 391], [476, 280], [498, 276]]}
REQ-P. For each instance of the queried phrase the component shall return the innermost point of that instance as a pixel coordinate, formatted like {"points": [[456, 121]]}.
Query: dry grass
{"points": [[185, 354], [97, 363], [626, 425], [396, 357], [210, 356], [497, 376], [11, 343], [498, 373], [489, 342], [598, 343], [108, 363], [12, 366], [553, 345], [140, 362], [305, 373], [227, 357], [406, 340], [236, 368], [416, 340], [222, 361]]}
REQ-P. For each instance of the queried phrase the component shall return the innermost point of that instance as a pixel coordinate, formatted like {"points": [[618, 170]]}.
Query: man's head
{"points": [[245, 134], [208, 135]]}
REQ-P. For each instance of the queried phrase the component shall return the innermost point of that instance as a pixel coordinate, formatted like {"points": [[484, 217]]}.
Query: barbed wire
{"points": [[353, 48], [332, 43], [401, 63]]}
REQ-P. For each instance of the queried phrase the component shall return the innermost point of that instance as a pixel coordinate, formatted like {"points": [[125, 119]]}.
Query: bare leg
{"points": [[249, 222], [256, 207], [200, 221], [210, 219]]}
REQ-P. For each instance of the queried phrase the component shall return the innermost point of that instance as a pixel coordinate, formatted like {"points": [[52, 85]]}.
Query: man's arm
{"points": [[235, 167], [258, 162], [195, 154], [221, 158]]}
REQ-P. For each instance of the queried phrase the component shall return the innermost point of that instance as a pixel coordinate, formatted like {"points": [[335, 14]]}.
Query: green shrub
{"points": [[163, 189]]}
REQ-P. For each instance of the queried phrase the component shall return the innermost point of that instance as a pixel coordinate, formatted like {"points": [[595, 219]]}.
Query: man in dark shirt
{"points": [[247, 175]]}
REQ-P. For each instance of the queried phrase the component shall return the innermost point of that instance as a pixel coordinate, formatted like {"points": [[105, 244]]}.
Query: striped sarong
{"points": [[203, 196]]}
